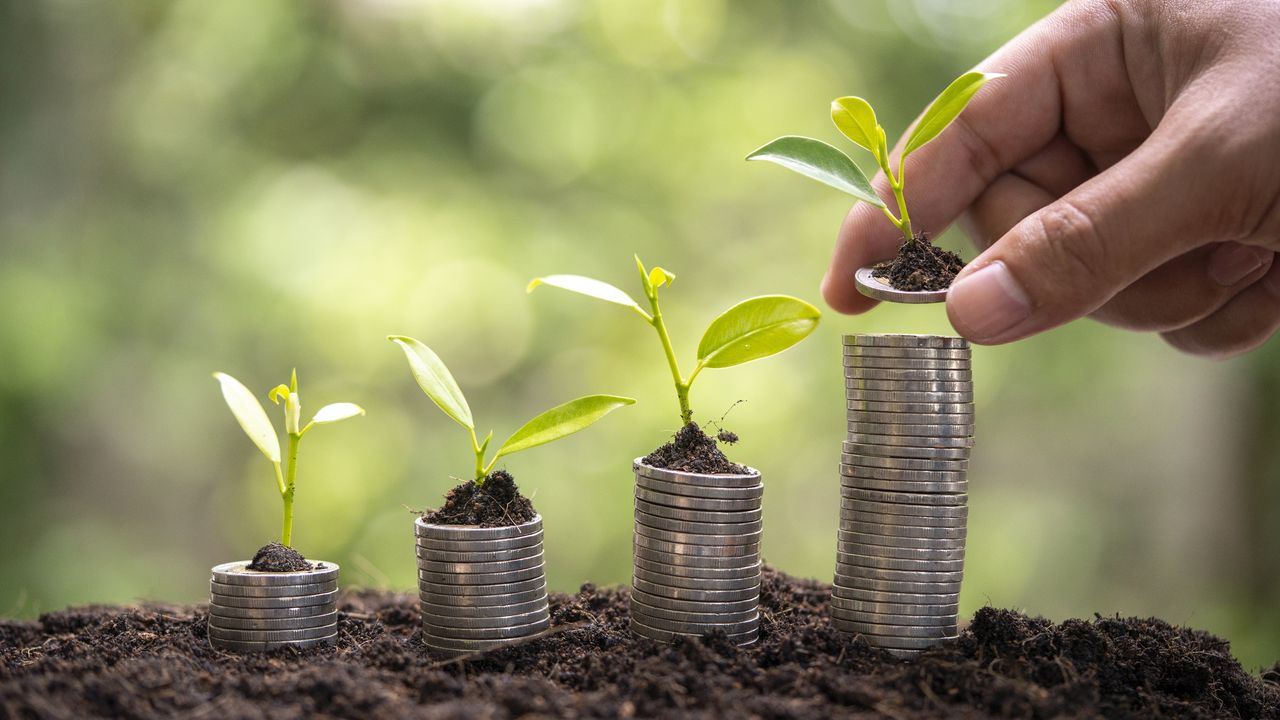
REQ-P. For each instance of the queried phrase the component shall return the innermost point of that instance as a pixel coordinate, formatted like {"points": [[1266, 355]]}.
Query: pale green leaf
{"points": [[586, 286], [659, 277], [435, 379], [854, 117], [335, 412], [562, 420], [756, 328], [249, 413], [278, 393], [946, 107], [819, 161]]}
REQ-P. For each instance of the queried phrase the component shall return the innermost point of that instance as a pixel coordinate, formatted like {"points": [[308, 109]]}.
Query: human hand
{"points": [[1128, 169]]}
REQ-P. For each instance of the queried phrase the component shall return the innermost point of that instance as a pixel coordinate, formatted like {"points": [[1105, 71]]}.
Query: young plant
{"points": [[253, 419], [854, 118], [752, 329], [558, 422]]}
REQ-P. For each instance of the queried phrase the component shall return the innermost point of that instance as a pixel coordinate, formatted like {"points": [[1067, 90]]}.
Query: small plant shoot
{"points": [[257, 425], [563, 420], [752, 329]]}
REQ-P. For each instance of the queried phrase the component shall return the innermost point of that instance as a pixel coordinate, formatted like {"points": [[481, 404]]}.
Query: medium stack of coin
{"points": [[250, 611], [696, 556], [903, 489], [480, 587]]}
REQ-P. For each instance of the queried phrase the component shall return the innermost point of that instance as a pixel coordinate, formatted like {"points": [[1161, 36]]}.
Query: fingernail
{"points": [[1233, 262], [987, 303]]}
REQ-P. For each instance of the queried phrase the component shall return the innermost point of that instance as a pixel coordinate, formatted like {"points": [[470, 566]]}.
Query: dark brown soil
{"points": [[920, 266], [274, 557], [692, 450], [497, 503], [154, 662]]}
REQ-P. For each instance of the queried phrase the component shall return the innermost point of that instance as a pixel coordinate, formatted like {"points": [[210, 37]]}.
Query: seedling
{"points": [[752, 329], [558, 422], [253, 419]]}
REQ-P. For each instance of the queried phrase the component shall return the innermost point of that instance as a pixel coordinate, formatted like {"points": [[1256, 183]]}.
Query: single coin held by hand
{"points": [[875, 288]]}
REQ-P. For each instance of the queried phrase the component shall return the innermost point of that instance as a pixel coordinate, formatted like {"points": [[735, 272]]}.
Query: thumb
{"points": [[1070, 257]]}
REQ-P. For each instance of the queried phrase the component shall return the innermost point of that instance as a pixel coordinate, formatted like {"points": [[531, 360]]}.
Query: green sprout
{"points": [[854, 118], [558, 422], [253, 419], [752, 329]]}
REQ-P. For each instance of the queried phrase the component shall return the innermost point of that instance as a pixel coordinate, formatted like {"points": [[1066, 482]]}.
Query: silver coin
{"points": [[675, 593], [751, 550], [895, 598], [281, 613], [903, 479], [688, 583], [905, 531], [908, 498], [932, 375], [908, 418], [695, 562], [901, 486], [698, 516], [901, 464], [232, 623], [906, 340], [856, 425], [752, 538], [944, 550], [325, 598], [270, 591], [234, 573], [701, 491], [875, 573], [947, 409], [687, 478], [638, 607], [532, 627], [900, 452], [481, 545], [515, 597], [525, 618], [898, 541], [684, 571], [935, 632], [877, 288], [900, 563], [885, 351], [484, 611], [885, 609], [887, 519], [446, 584], [639, 628], [942, 387], [954, 512], [694, 606], [687, 628], [908, 621], [697, 528], [898, 586], [250, 647], [445, 556], [916, 441], [694, 503], [855, 394], [271, 635], [907, 363], [424, 529], [483, 568], [849, 492], [903, 647]]}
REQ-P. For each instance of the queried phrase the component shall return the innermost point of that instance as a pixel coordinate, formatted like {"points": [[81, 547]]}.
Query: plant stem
{"points": [[897, 183], [286, 530], [682, 386], [479, 451]]}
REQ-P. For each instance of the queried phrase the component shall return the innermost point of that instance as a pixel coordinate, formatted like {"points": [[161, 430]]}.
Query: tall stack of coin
{"points": [[696, 555], [480, 587], [250, 611], [903, 489]]}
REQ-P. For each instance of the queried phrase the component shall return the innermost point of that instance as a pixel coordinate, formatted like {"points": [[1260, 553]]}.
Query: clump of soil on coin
{"points": [[496, 503], [154, 661], [919, 265], [692, 450], [274, 557]]}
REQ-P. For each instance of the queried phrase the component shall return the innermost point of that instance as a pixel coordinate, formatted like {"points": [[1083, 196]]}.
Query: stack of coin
{"points": [[480, 587], [903, 489], [250, 611], [696, 559]]}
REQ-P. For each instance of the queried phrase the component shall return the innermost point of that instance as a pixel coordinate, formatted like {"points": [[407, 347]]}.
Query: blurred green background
{"points": [[248, 186]]}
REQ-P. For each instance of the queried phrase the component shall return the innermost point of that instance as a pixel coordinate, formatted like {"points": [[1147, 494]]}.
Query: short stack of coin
{"points": [[480, 587], [251, 611], [903, 489], [696, 556]]}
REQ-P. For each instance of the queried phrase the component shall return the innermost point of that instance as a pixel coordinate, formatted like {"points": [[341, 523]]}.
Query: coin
{"points": [[485, 622], [484, 611], [719, 480], [896, 586], [876, 573], [948, 409], [234, 573], [882, 351], [280, 613], [752, 538], [906, 340], [903, 452], [484, 568], [680, 570], [696, 628], [688, 583], [902, 644], [904, 531], [941, 387], [700, 516], [888, 609], [955, 512], [518, 582], [638, 627], [694, 606], [693, 617], [908, 498], [446, 556], [481, 545], [292, 601], [855, 394], [692, 595], [693, 503], [909, 621], [750, 550], [896, 631], [695, 562], [247, 647], [901, 464], [911, 363], [510, 597], [481, 579], [857, 425], [900, 563], [697, 528], [233, 623], [896, 597], [270, 591], [889, 519], [848, 488], [897, 541], [932, 441], [700, 491], [944, 550], [908, 418], [932, 375], [474, 532], [483, 632], [271, 635]]}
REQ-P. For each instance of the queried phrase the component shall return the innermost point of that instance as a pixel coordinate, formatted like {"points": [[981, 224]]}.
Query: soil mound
{"points": [[920, 266], [274, 557], [497, 503], [692, 450]]}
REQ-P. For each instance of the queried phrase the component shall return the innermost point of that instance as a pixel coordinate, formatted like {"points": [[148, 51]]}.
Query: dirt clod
{"points": [[920, 265], [692, 450], [274, 557], [497, 503]]}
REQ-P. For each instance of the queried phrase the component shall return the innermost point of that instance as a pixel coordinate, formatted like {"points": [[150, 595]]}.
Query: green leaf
{"points": [[819, 161], [946, 107], [435, 379], [854, 117], [562, 420], [659, 277], [756, 328], [335, 412], [249, 413], [586, 286], [278, 393]]}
